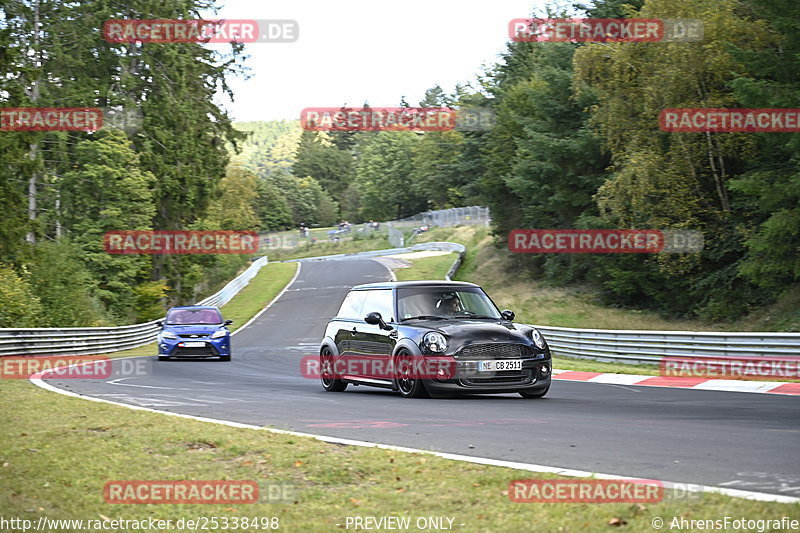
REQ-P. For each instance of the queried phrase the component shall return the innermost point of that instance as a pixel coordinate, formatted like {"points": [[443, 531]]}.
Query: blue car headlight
{"points": [[537, 338], [168, 335], [219, 333], [434, 342]]}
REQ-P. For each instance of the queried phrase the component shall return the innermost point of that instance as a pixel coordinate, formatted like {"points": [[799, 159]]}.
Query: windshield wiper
{"points": [[424, 317], [470, 314]]}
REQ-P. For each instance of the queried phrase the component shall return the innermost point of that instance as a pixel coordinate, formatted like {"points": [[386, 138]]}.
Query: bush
{"points": [[19, 307]]}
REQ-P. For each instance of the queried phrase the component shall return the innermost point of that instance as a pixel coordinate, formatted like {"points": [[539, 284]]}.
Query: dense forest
{"points": [[576, 144]]}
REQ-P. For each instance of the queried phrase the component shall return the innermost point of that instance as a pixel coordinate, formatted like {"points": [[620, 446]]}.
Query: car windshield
{"points": [[444, 302], [193, 316]]}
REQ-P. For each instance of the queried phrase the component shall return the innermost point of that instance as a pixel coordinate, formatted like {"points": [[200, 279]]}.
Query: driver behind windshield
{"points": [[448, 304], [193, 316]]}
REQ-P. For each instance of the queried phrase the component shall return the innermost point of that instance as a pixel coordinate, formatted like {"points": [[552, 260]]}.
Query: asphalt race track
{"points": [[728, 439]]}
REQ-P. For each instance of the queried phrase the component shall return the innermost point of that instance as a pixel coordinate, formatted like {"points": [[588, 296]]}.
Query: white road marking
{"points": [[291, 282], [116, 382], [618, 379]]}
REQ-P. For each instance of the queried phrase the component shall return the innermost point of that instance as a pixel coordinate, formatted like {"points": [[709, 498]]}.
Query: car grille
{"points": [[503, 377], [192, 336], [493, 351], [207, 350]]}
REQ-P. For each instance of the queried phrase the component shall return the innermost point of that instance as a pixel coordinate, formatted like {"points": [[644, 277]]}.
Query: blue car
{"points": [[194, 331]]}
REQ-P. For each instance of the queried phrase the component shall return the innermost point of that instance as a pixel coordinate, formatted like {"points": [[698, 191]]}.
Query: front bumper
{"points": [[212, 347], [534, 376]]}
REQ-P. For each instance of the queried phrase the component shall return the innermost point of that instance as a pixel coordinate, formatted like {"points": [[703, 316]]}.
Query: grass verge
{"points": [[376, 241], [261, 290], [434, 267], [57, 453]]}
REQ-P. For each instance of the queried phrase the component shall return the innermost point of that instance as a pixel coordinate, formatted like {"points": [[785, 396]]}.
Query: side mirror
{"points": [[227, 322], [508, 315], [376, 320], [160, 324]]}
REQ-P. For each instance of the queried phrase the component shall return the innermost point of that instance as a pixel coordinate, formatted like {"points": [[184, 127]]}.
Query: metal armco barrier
{"points": [[642, 346], [230, 290], [87, 341]]}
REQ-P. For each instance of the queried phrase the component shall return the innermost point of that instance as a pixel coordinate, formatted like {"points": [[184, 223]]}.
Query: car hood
{"points": [[196, 329], [465, 331]]}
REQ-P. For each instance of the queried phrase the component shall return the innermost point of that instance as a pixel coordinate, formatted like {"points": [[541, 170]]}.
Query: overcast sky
{"points": [[352, 51]]}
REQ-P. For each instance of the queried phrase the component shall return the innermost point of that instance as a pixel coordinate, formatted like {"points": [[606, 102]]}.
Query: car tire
{"points": [[329, 381], [408, 387], [539, 394], [224, 357], [163, 358]]}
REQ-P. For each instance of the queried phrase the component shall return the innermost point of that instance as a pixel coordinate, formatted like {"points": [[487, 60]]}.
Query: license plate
{"points": [[496, 365], [194, 344]]}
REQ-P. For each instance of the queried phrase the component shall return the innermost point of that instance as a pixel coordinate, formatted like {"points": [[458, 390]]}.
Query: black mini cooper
{"points": [[431, 338]]}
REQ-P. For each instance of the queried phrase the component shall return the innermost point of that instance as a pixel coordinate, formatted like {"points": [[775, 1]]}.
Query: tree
{"points": [[382, 173], [19, 306], [107, 190], [320, 159], [310, 203], [63, 285], [676, 180], [769, 187], [271, 206], [234, 208]]}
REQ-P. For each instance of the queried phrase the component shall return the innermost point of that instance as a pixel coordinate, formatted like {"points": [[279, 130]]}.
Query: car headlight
{"points": [[434, 342], [537, 338], [219, 333], [168, 335]]}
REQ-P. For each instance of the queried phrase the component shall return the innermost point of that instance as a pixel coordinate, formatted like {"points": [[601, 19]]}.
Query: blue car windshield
{"points": [[177, 317]]}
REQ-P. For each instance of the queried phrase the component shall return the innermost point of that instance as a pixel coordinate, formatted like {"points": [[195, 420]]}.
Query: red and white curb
{"points": [[727, 385]]}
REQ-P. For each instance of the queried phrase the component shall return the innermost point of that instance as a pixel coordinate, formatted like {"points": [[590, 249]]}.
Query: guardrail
{"points": [[642, 346], [87, 341], [235, 285]]}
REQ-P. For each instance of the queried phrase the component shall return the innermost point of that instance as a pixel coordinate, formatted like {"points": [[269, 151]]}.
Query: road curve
{"points": [[727, 439]]}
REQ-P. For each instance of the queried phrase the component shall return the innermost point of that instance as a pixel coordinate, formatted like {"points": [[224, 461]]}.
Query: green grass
{"points": [[265, 286], [434, 267], [376, 241], [56, 454], [589, 365]]}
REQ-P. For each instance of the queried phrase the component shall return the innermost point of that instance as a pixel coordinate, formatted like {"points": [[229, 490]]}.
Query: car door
{"points": [[347, 319], [373, 346]]}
